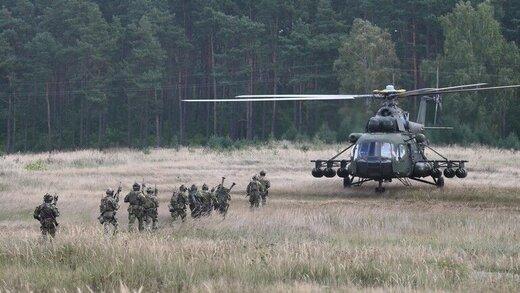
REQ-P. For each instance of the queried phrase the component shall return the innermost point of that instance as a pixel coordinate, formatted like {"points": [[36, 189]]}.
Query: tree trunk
{"points": [[157, 123], [49, 129], [214, 81], [8, 124], [275, 91]]}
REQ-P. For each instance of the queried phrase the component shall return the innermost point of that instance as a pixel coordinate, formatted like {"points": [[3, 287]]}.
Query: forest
{"points": [[80, 74]]}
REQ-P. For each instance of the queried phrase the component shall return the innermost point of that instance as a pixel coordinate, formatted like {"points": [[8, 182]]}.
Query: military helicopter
{"points": [[392, 146]]}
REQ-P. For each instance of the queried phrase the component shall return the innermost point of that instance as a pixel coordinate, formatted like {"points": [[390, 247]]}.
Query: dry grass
{"points": [[313, 236]]}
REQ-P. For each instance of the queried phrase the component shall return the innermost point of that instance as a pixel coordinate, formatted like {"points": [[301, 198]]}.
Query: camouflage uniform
{"points": [[194, 199], [207, 199], [151, 204], [178, 203], [264, 193], [135, 210], [222, 199], [108, 209], [47, 213], [254, 192]]}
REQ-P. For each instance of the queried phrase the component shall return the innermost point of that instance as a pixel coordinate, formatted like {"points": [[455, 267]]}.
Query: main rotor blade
{"points": [[424, 91], [276, 98], [476, 89]]}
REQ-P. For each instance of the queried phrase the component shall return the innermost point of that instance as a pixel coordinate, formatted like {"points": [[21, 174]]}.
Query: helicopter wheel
{"points": [[440, 182], [347, 182]]}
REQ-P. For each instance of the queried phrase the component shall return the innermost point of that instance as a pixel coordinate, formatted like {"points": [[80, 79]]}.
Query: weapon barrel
{"points": [[222, 182], [232, 185]]}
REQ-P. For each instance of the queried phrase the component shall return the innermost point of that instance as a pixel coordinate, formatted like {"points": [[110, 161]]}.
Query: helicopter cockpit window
{"points": [[386, 150], [375, 149]]}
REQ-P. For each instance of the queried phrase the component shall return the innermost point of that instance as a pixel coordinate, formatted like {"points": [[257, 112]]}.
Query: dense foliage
{"points": [[93, 73]]}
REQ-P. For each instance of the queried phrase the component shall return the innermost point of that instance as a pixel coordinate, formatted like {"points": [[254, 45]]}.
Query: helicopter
{"points": [[392, 146]]}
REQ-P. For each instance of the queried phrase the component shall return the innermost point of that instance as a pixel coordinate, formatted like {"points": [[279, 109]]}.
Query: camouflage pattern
{"points": [[108, 209], [195, 202], [207, 200], [254, 192], [222, 197], [265, 185], [46, 214], [178, 203], [135, 199], [151, 205]]}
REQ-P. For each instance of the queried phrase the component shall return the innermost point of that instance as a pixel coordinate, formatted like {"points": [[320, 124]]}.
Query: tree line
{"points": [[93, 73]]}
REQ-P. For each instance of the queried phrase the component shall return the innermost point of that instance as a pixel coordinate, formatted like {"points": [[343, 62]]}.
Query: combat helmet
{"points": [[262, 173], [193, 187], [110, 192], [136, 186], [149, 190], [205, 186], [182, 188], [47, 198]]}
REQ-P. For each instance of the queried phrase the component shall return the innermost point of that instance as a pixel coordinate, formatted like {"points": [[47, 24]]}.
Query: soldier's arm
{"points": [[56, 212], [36, 213], [127, 197]]}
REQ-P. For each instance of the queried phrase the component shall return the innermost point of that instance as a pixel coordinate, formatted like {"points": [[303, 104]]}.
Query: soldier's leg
{"points": [[183, 215], [155, 219], [264, 200], [131, 220], [52, 231], [141, 223]]}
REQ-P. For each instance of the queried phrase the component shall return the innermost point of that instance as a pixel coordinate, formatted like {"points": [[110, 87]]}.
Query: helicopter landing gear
{"points": [[380, 188], [347, 182], [439, 182]]}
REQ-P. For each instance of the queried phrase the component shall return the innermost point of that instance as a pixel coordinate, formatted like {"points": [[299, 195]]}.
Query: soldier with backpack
{"points": [[46, 214], [108, 209], [178, 203]]}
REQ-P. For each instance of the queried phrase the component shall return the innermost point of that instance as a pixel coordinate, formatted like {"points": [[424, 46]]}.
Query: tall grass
{"points": [[312, 236]]}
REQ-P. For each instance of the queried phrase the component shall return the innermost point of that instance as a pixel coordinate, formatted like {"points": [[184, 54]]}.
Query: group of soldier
{"points": [[143, 204]]}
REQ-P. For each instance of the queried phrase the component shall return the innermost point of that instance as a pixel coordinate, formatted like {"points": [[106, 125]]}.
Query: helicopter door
{"points": [[401, 163]]}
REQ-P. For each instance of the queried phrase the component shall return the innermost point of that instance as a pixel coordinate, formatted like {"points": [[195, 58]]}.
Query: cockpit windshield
{"points": [[375, 149]]}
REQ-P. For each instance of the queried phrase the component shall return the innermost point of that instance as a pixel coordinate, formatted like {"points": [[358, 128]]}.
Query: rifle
{"points": [[232, 185], [155, 189], [54, 203], [119, 188]]}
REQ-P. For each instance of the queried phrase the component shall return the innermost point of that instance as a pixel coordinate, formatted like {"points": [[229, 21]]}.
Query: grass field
{"points": [[313, 235]]}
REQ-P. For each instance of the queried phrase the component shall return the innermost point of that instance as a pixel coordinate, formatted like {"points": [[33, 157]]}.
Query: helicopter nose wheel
{"points": [[380, 188], [347, 182], [439, 182]]}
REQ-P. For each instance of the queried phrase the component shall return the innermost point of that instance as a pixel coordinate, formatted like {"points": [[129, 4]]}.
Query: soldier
{"points": [[222, 197], [207, 200], [47, 213], [194, 201], [135, 198], [108, 209], [178, 203], [151, 204], [265, 187], [253, 191]]}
